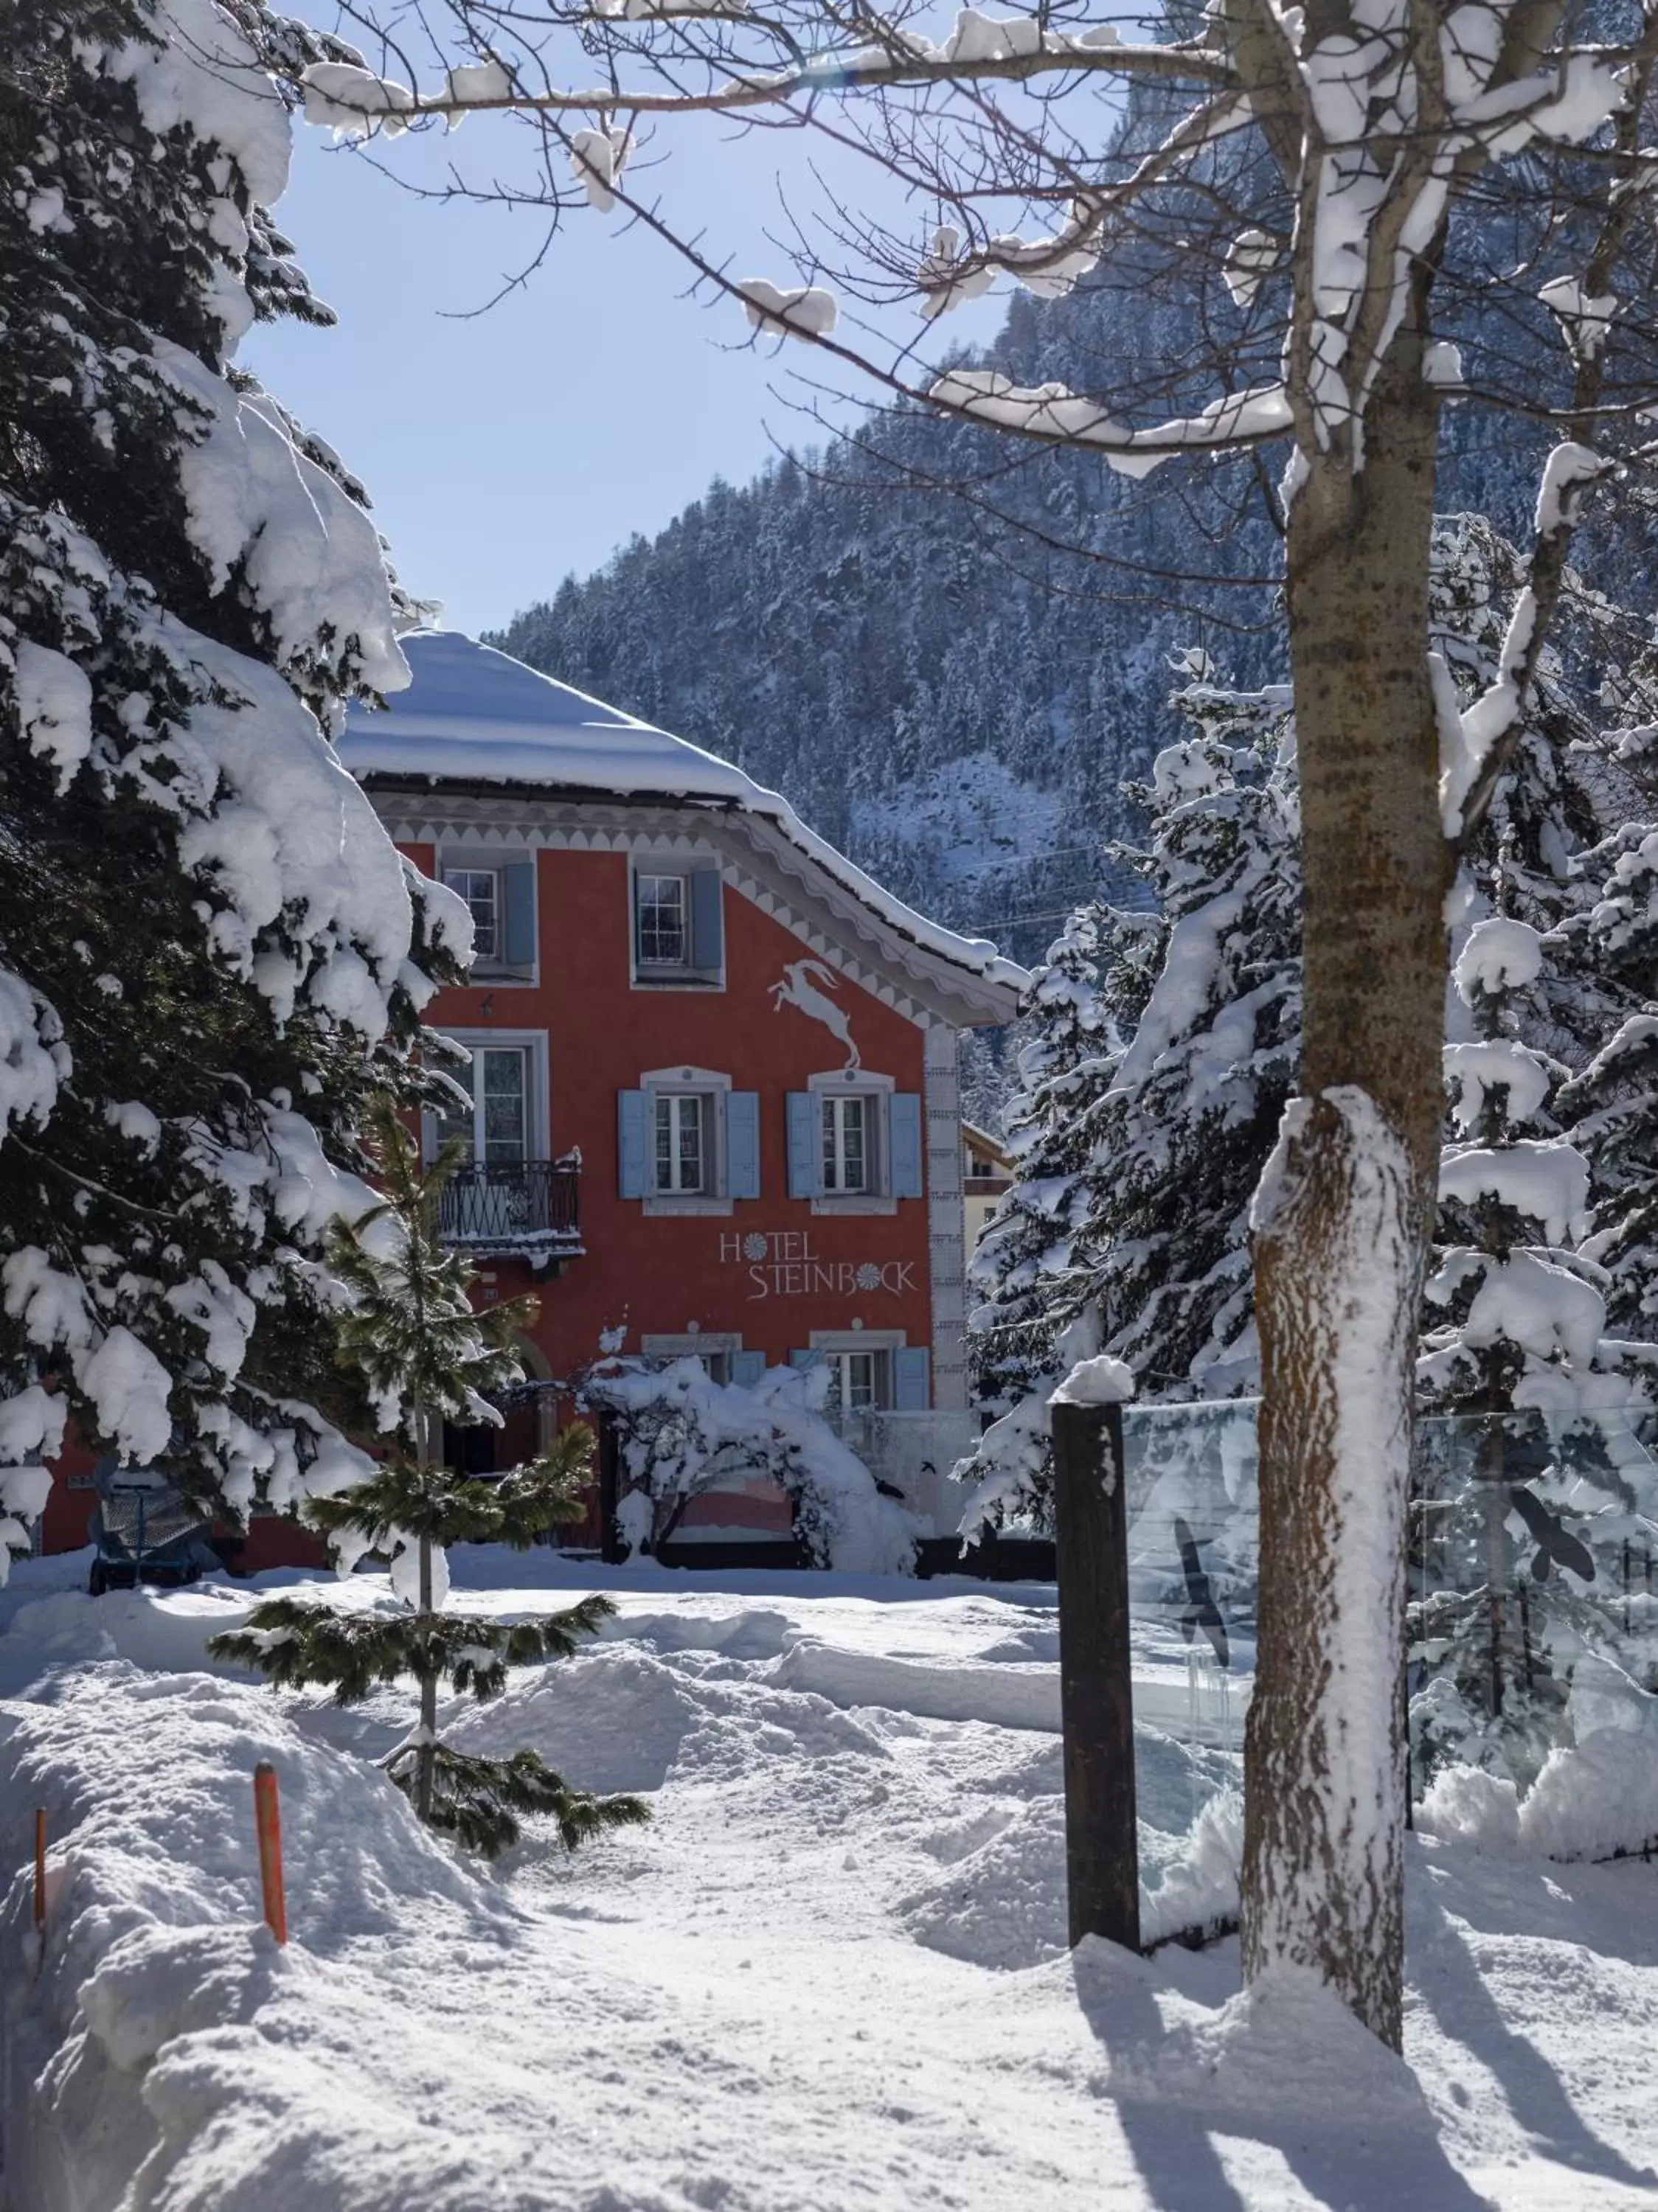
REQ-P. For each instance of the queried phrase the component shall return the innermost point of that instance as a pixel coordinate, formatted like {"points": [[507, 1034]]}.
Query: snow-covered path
{"points": [[829, 1977]]}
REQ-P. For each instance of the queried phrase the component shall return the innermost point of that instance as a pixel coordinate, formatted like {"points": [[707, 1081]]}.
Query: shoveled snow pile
{"points": [[830, 1975]]}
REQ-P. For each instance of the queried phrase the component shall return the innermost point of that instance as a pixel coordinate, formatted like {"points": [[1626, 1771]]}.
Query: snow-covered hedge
{"points": [[682, 1432]]}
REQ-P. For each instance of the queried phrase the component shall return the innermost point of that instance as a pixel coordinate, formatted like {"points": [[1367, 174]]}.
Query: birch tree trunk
{"points": [[1343, 1217]]}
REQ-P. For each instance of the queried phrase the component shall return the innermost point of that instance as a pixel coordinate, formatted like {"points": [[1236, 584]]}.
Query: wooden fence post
{"points": [[1096, 1698], [267, 1819]]}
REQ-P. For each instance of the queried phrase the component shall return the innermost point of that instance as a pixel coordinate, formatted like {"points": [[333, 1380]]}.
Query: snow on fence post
{"points": [[40, 1871], [267, 1820], [1096, 1699]]}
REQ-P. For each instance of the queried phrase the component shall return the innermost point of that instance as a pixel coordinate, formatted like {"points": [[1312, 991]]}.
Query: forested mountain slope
{"points": [[955, 702]]}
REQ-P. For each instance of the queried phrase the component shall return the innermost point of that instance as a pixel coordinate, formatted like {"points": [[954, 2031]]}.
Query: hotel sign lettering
{"points": [[783, 1265]]}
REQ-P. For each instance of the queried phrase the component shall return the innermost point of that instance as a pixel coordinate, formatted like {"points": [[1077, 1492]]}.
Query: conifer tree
{"points": [[210, 954], [1610, 950], [425, 1355], [1205, 991], [1027, 1253], [1210, 1002], [1532, 1483]]}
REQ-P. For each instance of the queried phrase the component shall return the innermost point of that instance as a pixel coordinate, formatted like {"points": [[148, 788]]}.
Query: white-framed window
{"points": [[480, 888], [683, 1144], [686, 1142], [870, 1371], [497, 1130], [661, 909], [677, 921], [499, 893], [848, 1123], [855, 1142], [716, 1348], [860, 1382]]}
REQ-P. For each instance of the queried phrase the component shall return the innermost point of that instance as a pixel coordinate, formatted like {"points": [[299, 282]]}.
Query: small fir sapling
{"points": [[425, 1354]]}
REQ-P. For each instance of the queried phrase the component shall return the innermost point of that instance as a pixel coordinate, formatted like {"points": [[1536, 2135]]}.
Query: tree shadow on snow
{"points": [[1447, 1977], [1376, 2151]]}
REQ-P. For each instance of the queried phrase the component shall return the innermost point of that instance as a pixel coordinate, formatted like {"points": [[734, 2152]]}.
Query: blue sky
{"points": [[504, 451]]}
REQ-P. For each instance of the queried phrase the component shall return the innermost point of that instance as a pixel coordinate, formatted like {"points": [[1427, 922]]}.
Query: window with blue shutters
{"points": [[855, 1145], [678, 922], [687, 1143], [500, 895]]}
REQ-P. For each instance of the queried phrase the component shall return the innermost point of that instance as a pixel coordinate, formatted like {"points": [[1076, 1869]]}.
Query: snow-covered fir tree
{"points": [[210, 952], [1610, 953], [1176, 1145], [1021, 1325], [1206, 994], [1532, 1482], [426, 1356], [1129, 1230]]}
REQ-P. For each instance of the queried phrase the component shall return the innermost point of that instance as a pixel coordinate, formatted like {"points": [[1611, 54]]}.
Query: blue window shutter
{"points": [[518, 914], [748, 1367], [632, 1148], [911, 1379], [707, 915], [742, 1145], [905, 1131], [805, 1145]]}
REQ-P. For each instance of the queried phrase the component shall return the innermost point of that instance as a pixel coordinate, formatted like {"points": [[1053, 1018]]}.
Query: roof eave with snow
{"points": [[477, 725]]}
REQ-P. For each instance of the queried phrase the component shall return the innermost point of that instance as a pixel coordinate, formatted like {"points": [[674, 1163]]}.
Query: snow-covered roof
{"points": [[472, 715]]}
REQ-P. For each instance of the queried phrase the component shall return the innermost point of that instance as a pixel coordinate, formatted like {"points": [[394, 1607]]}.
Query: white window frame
{"points": [[491, 971], [452, 869], [877, 1090], [536, 1118], [708, 1346], [671, 1108], [835, 1122], [714, 1089], [644, 872], [663, 975], [843, 1343]]}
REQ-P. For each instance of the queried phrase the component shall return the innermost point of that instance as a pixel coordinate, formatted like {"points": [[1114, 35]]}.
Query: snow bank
{"points": [[165, 2032], [832, 1972], [1596, 1799]]}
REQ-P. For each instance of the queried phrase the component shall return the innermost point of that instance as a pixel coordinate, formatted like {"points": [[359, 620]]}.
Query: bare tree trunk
{"points": [[1342, 1218]]}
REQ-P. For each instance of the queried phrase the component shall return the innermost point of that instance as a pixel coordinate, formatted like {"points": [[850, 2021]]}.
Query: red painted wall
{"points": [[664, 1274]]}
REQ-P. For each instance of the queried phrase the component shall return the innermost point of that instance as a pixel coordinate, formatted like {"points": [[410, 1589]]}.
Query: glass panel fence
{"points": [[1533, 1614]]}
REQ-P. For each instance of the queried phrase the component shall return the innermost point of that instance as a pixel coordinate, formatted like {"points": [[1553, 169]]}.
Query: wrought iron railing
{"points": [[514, 1203]]}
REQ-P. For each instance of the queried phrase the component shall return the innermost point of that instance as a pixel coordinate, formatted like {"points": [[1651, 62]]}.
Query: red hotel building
{"points": [[713, 1064]]}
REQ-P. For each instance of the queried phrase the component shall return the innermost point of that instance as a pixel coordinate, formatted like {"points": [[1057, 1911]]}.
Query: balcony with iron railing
{"points": [[531, 1208]]}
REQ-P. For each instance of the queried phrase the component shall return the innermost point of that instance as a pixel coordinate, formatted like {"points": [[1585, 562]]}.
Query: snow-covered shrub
{"points": [[680, 1432]]}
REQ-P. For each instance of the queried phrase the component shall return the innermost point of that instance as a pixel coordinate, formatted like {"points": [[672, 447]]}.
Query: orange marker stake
{"points": [[268, 1820], [40, 1869]]}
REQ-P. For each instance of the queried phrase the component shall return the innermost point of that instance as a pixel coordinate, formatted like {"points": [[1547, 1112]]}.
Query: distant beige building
{"points": [[986, 1172]]}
